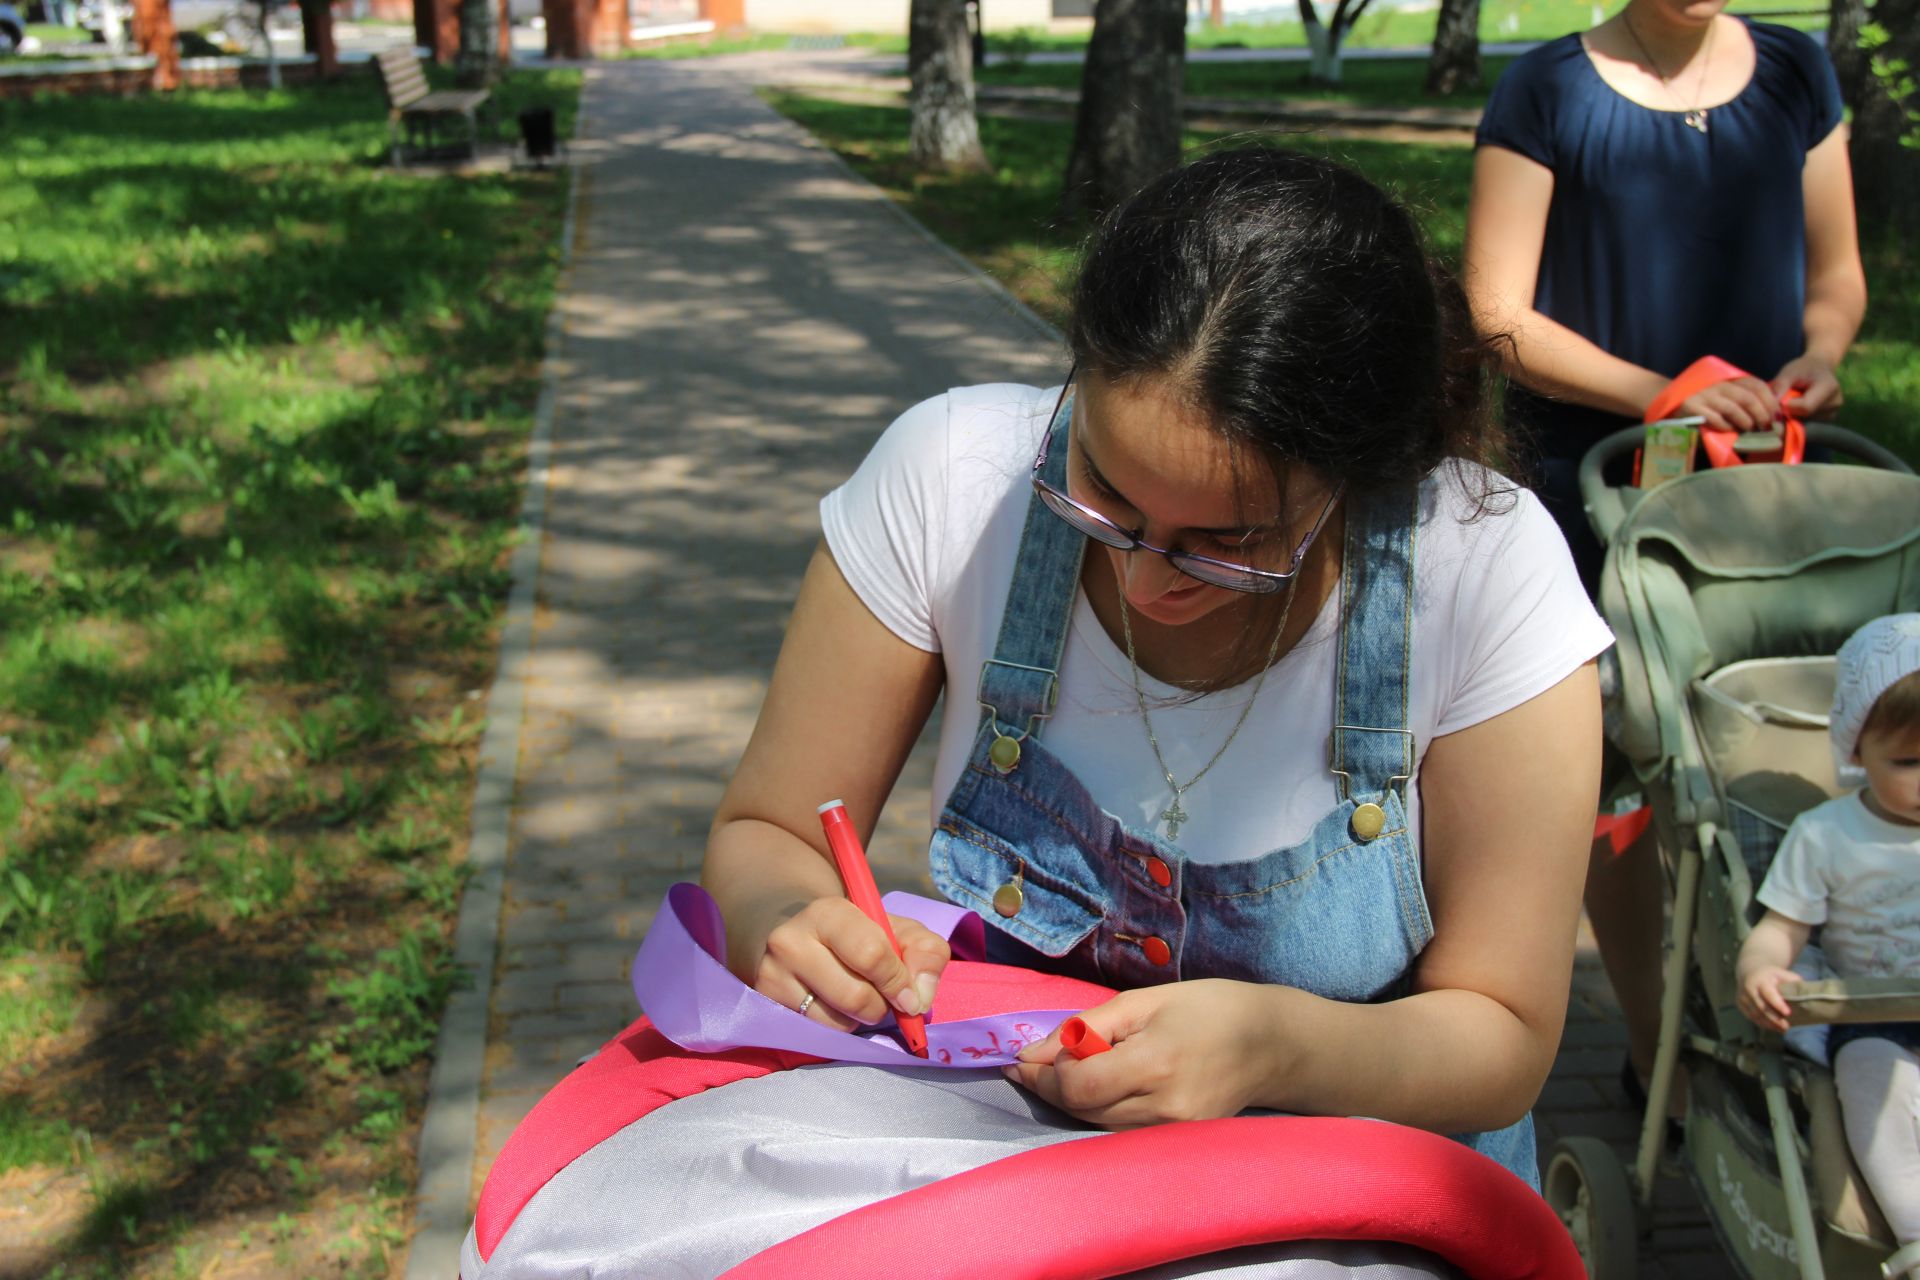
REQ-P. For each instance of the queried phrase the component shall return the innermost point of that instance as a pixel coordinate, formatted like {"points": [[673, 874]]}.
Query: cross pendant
{"points": [[1173, 816]]}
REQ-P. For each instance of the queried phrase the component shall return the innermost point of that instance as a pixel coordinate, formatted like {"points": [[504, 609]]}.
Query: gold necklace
{"points": [[1696, 118], [1173, 815]]}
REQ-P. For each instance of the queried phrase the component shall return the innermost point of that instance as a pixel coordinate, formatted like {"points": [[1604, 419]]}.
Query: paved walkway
{"points": [[742, 317]]}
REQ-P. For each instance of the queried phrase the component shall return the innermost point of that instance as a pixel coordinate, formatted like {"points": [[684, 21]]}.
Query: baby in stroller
{"points": [[1852, 867]]}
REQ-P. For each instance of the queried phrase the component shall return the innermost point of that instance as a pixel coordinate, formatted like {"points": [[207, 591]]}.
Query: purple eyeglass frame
{"points": [[1085, 520]]}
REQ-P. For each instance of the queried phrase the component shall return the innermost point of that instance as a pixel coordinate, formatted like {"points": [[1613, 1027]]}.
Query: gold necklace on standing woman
{"points": [[1696, 117]]}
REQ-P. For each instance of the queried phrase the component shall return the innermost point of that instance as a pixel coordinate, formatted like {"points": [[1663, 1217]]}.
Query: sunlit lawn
{"points": [[1005, 222], [1370, 82], [263, 408]]}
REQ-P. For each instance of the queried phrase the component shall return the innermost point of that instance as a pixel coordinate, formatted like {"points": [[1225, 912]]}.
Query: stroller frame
{"points": [[1603, 1203]]}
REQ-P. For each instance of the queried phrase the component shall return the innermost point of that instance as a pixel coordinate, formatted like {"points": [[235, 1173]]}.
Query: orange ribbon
{"points": [[1620, 830], [1709, 371]]}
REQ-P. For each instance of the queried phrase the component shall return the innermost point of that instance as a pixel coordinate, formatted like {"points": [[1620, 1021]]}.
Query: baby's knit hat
{"points": [[1871, 660]]}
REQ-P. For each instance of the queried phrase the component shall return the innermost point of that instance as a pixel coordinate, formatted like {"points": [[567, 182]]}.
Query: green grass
{"points": [[760, 42], [1369, 83], [1379, 29], [1397, 29], [1005, 221], [30, 1139], [263, 409]]}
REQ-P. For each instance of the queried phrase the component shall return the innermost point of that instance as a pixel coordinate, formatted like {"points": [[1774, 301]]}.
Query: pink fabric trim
{"points": [[633, 1073], [640, 1069], [1113, 1204]]}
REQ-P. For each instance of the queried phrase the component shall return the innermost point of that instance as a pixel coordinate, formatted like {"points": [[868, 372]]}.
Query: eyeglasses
{"points": [[1215, 573]]}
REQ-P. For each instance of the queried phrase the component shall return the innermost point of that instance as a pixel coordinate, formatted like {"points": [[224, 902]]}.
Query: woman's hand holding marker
{"points": [[830, 950]]}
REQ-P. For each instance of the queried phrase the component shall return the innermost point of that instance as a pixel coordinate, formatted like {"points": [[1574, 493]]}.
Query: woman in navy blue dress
{"points": [[1671, 184]]}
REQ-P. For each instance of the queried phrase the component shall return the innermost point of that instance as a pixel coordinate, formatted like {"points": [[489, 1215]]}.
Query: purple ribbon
{"points": [[682, 981]]}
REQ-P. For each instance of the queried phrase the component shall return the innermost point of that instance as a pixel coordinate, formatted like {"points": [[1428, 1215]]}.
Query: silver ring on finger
{"points": [[806, 1004]]}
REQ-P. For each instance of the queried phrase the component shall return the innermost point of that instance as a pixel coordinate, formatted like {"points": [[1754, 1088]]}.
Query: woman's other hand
{"points": [[1738, 404], [830, 950], [1194, 1050], [1811, 387]]}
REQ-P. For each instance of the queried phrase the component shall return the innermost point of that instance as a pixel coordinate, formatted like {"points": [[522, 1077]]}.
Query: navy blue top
{"points": [[1664, 244]]}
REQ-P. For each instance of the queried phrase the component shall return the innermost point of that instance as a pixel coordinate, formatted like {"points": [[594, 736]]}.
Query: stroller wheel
{"points": [[1587, 1186]]}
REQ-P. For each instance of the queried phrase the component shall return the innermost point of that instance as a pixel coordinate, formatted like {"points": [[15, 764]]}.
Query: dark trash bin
{"points": [[537, 132]]}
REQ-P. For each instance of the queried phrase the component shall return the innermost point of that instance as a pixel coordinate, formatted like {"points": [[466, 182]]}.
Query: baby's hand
{"points": [[1760, 997]]}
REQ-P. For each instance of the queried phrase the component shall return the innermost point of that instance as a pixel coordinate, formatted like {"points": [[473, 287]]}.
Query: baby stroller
{"points": [[744, 1157], [1729, 590]]}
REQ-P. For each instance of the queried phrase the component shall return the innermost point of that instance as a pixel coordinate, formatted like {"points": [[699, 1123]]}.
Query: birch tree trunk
{"points": [[1454, 63], [263, 10], [1127, 129], [1324, 39], [943, 133]]}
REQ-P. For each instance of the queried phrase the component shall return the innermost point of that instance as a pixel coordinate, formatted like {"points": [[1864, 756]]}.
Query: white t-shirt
{"points": [[1845, 867], [925, 533]]}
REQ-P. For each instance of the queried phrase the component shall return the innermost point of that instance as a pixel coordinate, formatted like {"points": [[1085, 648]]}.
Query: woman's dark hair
{"points": [[1294, 303]]}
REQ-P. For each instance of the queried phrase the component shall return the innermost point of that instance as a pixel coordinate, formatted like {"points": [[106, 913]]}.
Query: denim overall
{"points": [[1337, 915]]}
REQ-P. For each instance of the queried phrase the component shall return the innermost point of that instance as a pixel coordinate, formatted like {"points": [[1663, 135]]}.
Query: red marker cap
{"points": [[1081, 1040]]}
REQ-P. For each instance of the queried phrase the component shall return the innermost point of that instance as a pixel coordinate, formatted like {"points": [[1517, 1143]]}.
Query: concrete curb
{"points": [[449, 1134]]}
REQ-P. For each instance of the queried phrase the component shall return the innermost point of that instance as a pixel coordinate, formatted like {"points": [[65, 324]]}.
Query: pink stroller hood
{"points": [[636, 1145]]}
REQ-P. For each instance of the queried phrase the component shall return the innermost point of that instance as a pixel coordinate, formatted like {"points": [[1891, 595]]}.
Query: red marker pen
{"points": [[857, 876], [1081, 1040]]}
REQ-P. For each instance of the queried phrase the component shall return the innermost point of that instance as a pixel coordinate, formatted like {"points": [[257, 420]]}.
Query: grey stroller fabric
{"points": [[1691, 586], [703, 1184]]}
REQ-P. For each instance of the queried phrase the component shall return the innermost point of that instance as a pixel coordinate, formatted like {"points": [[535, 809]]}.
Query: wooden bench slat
{"points": [[449, 100], [411, 97]]}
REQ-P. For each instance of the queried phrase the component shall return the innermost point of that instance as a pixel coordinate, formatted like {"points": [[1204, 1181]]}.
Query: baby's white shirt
{"points": [[1845, 867]]}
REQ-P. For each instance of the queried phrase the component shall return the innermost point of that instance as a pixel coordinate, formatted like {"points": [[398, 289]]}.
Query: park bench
{"points": [[417, 114]]}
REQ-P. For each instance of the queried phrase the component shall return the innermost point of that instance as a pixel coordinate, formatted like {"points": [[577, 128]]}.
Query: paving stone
{"points": [[1570, 1095], [530, 956], [596, 1024], [500, 1112], [598, 995], [526, 991]]}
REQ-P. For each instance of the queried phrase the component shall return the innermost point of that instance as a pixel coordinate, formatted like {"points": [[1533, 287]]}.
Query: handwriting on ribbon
{"points": [[1024, 1034]]}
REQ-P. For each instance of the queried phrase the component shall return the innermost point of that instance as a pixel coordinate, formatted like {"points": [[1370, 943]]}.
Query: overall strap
{"points": [[1372, 750], [1019, 684]]}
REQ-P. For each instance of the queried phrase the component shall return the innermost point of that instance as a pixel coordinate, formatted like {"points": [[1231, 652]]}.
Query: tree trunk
{"points": [[114, 33], [1455, 62], [1324, 39], [316, 31], [479, 62], [1844, 20], [1886, 130], [1323, 43], [1127, 129], [943, 133], [263, 11], [153, 28]]}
